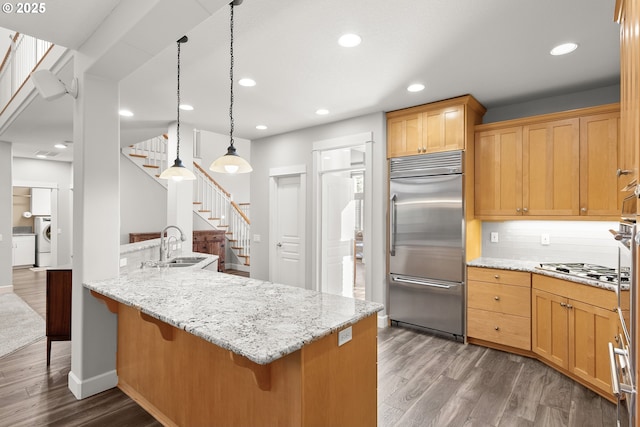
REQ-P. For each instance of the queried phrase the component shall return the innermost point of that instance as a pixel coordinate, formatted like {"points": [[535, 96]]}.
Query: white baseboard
{"points": [[83, 389], [240, 267], [383, 321]]}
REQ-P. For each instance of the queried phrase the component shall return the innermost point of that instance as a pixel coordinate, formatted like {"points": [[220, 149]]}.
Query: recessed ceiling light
{"points": [[41, 156], [186, 107], [247, 82], [349, 40], [125, 113], [261, 127], [416, 87], [563, 49], [322, 112], [60, 145]]}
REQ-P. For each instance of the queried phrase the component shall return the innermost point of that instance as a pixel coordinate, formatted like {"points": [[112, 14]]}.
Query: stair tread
{"points": [[151, 166], [142, 156], [197, 203], [204, 210]]}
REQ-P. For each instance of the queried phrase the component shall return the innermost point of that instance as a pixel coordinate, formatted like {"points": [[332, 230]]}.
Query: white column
{"points": [[6, 212], [180, 194], [96, 225]]}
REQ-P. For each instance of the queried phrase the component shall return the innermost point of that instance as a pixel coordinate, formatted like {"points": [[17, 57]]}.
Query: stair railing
{"points": [[215, 199], [23, 56], [154, 150], [240, 227]]}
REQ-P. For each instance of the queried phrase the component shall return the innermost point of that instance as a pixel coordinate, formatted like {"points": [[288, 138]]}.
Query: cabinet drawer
{"points": [[505, 329], [500, 298], [494, 275]]}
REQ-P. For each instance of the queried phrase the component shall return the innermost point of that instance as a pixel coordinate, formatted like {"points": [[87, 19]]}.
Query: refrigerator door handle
{"points": [[421, 283], [392, 225]]}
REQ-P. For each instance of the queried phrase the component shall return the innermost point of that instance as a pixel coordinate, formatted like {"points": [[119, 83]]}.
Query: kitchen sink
{"points": [[184, 261]]}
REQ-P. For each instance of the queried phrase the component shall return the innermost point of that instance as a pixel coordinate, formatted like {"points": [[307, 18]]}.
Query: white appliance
{"points": [[43, 241]]}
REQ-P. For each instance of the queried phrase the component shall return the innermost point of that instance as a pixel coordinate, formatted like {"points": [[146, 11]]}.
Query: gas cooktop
{"points": [[590, 271]]}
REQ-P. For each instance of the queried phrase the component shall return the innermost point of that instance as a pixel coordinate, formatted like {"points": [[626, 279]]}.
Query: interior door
{"points": [[338, 225], [289, 226]]}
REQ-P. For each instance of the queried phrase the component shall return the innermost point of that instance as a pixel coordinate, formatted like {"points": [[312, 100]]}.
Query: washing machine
{"points": [[43, 241]]}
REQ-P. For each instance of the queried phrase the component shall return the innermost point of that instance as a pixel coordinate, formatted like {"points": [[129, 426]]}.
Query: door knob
{"points": [[279, 244]]}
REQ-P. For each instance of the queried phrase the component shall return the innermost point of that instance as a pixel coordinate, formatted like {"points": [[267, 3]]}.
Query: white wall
{"points": [[571, 241], [143, 201], [6, 202], [60, 174], [553, 104], [294, 148], [214, 145]]}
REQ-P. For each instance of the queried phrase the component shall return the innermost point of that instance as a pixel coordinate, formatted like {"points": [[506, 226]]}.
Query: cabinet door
{"points": [[550, 168], [591, 329], [24, 250], [599, 190], [498, 172], [443, 129], [404, 135], [549, 327]]}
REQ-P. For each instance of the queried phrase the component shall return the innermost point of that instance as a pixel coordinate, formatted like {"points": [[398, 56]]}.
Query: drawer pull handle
{"points": [[497, 328], [496, 276], [563, 304], [497, 298]]}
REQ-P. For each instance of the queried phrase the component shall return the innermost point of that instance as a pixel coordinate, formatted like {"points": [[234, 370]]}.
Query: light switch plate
{"points": [[545, 239], [256, 238], [345, 335], [494, 237]]}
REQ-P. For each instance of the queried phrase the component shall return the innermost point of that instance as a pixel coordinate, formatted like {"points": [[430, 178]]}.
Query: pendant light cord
{"points": [[231, 79], [178, 107]]}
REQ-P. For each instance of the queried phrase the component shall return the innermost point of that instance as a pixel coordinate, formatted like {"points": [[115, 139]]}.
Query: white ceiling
{"points": [[496, 50]]}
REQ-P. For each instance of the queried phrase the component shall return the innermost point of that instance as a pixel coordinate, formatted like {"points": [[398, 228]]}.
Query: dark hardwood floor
{"points": [[423, 380]]}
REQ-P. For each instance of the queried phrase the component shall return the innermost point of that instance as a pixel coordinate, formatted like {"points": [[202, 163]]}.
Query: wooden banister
{"points": [[237, 208], [6, 55], [197, 166]]}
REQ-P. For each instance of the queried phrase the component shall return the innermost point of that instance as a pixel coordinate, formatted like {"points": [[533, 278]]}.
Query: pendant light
{"points": [[178, 171], [231, 162]]}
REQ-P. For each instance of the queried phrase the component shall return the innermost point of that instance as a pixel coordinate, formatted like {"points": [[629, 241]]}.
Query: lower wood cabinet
{"points": [[572, 325], [58, 318], [499, 306]]}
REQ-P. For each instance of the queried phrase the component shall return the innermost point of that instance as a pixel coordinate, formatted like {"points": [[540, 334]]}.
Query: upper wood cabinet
{"points": [[431, 128], [560, 165]]}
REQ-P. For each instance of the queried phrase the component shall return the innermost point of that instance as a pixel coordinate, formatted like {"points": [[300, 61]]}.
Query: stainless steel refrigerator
{"points": [[426, 242]]}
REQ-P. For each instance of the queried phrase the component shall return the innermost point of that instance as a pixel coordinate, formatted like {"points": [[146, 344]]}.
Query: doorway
{"points": [[287, 226], [341, 224]]}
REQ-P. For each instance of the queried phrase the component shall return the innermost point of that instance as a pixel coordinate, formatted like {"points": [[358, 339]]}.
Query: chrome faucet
{"points": [[164, 247]]}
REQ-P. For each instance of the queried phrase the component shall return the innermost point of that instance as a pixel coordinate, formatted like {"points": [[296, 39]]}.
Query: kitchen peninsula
{"points": [[197, 347]]}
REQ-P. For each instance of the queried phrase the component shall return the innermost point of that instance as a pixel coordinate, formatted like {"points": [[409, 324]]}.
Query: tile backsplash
{"points": [[569, 241]]}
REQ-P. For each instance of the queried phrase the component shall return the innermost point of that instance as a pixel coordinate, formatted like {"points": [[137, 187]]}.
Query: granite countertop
{"points": [[532, 267], [262, 321]]}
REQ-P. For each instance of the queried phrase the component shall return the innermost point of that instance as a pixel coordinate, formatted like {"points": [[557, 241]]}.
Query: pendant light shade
{"points": [[178, 171], [231, 162]]}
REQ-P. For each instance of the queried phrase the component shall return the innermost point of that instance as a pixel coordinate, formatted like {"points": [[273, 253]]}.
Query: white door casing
{"points": [[287, 222]]}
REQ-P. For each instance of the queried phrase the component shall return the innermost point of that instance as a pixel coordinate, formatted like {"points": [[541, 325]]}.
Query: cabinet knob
{"points": [[583, 209], [496, 276], [622, 172], [497, 298], [525, 209], [497, 328], [563, 304], [517, 209], [569, 306]]}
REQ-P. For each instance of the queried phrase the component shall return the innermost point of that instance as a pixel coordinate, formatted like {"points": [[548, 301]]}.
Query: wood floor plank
{"points": [[586, 408], [524, 401], [548, 416]]}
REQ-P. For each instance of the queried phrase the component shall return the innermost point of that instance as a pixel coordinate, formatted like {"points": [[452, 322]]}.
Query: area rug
{"points": [[19, 324]]}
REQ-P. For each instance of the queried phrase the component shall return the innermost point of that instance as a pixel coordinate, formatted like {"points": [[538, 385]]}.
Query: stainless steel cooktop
{"points": [[590, 271]]}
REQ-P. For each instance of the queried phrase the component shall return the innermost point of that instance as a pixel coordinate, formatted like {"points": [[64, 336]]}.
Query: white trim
{"points": [[89, 387], [36, 184], [383, 321], [288, 170], [342, 141]]}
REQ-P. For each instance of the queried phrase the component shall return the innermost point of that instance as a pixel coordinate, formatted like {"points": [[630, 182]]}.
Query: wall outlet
{"points": [[545, 239], [257, 238], [123, 262], [494, 237], [345, 335]]}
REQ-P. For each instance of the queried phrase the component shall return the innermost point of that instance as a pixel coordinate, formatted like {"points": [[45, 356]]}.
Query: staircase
{"points": [[211, 202]]}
